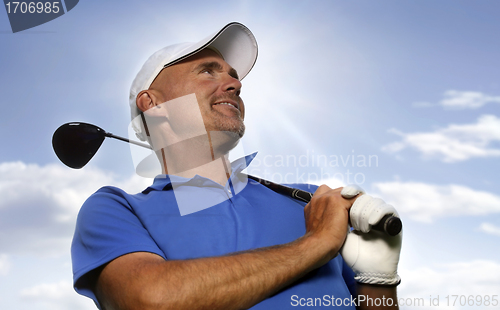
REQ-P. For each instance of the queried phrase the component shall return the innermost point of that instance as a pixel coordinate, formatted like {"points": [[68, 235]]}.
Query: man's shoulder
{"points": [[109, 196], [109, 191]]}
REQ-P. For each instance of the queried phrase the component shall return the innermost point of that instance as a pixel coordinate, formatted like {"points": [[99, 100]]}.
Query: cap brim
{"points": [[236, 44]]}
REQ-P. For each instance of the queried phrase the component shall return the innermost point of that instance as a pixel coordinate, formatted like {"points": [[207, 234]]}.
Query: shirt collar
{"points": [[164, 181]]}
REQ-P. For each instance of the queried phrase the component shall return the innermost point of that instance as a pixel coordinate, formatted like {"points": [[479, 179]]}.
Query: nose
{"points": [[231, 84]]}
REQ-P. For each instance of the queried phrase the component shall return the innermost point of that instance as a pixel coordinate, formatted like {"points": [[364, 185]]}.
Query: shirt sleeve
{"points": [[348, 276], [107, 227]]}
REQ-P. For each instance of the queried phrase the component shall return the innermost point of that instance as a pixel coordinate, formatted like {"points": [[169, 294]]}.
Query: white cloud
{"points": [[475, 278], [490, 229], [454, 143], [454, 99], [55, 296], [427, 202], [46, 291], [332, 182], [4, 265], [40, 203]]}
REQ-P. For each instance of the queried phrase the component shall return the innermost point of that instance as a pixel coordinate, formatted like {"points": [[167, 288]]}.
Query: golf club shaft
{"points": [[389, 224], [110, 135]]}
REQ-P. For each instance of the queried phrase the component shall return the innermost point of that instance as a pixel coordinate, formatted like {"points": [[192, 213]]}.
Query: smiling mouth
{"points": [[234, 105]]}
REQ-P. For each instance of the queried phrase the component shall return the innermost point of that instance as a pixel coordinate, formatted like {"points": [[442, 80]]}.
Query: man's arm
{"points": [[371, 295], [146, 281], [239, 281]]}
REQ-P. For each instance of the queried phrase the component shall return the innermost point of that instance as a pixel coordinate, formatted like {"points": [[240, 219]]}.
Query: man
{"points": [[203, 236]]}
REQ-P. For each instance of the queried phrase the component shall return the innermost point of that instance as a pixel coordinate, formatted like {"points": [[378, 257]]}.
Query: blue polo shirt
{"points": [[219, 220]]}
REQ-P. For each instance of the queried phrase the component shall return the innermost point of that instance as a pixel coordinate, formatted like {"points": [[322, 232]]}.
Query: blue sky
{"points": [[412, 84]]}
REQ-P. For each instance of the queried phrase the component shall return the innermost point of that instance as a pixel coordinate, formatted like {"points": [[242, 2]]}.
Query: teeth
{"points": [[225, 103]]}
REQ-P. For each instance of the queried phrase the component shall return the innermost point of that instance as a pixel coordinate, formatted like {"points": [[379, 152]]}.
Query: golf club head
{"points": [[76, 143]]}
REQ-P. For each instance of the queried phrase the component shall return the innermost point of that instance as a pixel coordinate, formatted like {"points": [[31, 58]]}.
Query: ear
{"points": [[145, 100], [150, 102]]}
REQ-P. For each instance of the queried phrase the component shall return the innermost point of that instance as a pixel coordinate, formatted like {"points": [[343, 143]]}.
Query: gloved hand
{"points": [[373, 256]]}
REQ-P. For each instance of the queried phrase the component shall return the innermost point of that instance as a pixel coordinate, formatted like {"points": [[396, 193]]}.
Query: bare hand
{"points": [[327, 216]]}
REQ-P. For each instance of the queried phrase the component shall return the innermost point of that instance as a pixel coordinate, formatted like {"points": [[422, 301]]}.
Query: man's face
{"points": [[215, 84]]}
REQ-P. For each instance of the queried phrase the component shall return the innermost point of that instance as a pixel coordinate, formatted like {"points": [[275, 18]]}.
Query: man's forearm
{"points": [[378, 297], [236, 281]]}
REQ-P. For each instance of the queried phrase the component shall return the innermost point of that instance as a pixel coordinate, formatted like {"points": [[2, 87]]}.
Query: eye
{"points": [[208, 71]]}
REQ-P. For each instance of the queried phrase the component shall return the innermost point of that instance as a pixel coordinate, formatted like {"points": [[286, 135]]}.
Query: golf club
{"points": [[388, 224], [76, 143]]}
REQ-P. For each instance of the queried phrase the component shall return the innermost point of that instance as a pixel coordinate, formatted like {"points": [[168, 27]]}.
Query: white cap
{"points": [[234, 42]]}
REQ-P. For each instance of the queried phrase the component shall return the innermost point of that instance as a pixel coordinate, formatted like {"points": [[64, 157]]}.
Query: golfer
{"points": [[204, 235]]}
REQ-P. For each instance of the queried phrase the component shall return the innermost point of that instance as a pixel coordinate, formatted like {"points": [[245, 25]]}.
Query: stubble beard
{"points": [[236, 127], [222, 122], [226, 132], [231, 124]]}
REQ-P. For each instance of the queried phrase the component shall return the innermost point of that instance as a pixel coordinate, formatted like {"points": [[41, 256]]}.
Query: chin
{"points": [[227, 139], [233, 126], [240, 131]]}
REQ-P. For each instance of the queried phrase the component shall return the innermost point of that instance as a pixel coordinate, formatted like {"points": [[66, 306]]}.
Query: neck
{"points": [[196, 156]]}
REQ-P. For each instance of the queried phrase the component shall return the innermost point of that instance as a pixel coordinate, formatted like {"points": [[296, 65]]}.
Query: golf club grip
{"points": [[389, 224]]}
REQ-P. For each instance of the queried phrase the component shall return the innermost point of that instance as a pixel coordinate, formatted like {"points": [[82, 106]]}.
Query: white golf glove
{"points": [[372, 255]]}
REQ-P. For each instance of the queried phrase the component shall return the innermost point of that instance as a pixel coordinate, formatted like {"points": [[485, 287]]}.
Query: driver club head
{"points": [[76, 143]]}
